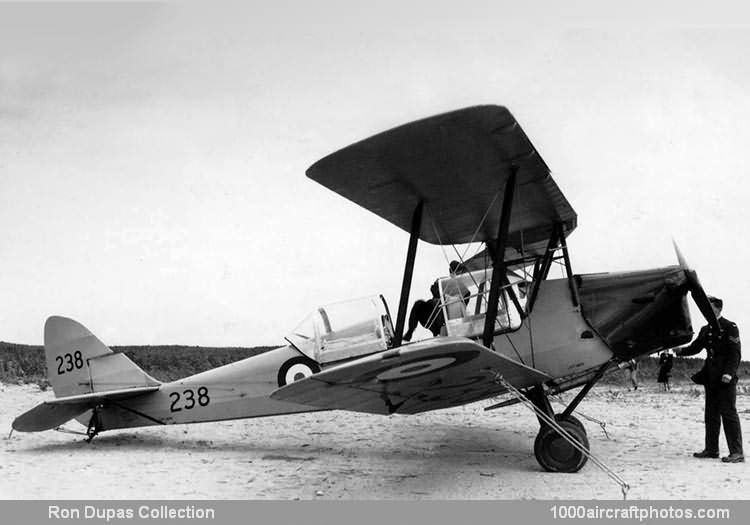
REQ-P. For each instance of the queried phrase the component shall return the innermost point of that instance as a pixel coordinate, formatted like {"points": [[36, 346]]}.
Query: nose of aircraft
{"points": [[640, 312]]}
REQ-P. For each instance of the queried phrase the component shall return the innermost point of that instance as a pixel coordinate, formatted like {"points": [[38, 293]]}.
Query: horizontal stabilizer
{"points": [[427, 375], [52, 414]]}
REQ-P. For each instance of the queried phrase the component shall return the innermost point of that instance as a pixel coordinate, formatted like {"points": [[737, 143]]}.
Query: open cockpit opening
{"points": [[464, 300]]}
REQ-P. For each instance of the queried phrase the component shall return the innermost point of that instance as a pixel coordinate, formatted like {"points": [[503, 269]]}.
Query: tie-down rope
{"points": [[599, 422]]}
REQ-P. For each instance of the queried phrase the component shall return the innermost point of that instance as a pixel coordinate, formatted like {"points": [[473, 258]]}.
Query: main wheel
{"points": [[555, 454]]}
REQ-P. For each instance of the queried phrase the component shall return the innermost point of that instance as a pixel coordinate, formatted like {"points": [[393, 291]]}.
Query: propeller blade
{"points": [[701, 299], [696, 290], [680, 258]]}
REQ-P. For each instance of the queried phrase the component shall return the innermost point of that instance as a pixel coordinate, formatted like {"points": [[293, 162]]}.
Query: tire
{"points": [[555, 454]]}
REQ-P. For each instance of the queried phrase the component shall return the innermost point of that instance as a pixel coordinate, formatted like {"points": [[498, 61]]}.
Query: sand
{"points": [[460, 453]]}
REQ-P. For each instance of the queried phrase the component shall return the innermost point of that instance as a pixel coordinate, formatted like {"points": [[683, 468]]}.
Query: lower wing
{"points": [[428, 375]]}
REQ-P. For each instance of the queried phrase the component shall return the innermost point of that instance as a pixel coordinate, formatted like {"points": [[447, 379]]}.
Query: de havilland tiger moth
{"points": [[468, 176]]}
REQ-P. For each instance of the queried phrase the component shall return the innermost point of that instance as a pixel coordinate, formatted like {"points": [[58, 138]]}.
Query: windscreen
{"points": [[465, 300], [344, 330]]}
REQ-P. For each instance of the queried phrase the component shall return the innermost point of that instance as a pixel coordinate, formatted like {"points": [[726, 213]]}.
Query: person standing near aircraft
{"points": [[666, 359], [632, 368], [719, 377]]}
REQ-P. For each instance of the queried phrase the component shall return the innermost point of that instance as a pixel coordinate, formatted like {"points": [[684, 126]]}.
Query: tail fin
{"points": [[79, 363]]}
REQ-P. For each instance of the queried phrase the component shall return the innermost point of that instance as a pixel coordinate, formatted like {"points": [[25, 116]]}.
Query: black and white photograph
{"points": [[353, 251]]}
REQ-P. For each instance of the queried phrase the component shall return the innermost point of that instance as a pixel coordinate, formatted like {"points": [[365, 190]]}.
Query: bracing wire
{"points": [[445, 255], [462, 258], [481, 222], [599, 422]]}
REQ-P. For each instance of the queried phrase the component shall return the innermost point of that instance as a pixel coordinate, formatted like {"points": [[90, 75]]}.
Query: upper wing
{"points": [[457, 164], [422, 376], [52, 414]]}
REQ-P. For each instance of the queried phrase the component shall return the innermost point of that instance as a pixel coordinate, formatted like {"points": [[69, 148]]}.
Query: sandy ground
{"points": [[461, 453]]}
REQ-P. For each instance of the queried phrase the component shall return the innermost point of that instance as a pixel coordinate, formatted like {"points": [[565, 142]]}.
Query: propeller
{"points": [[696, 290]]}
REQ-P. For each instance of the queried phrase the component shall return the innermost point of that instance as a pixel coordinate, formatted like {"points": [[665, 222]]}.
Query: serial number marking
{"points": [[70, 362], [188, 399]]}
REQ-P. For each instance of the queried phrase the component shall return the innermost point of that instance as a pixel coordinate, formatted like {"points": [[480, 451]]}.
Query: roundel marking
{"points": [[295, 369], [297, 372], [417, 366], [415, 369]]}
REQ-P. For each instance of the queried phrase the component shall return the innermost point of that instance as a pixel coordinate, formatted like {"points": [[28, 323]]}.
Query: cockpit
{"points": [[337, 332], [464, 299], [344, 330]]}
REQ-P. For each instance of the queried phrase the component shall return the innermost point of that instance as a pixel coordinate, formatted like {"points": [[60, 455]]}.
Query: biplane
{"points": [[468, 177]]}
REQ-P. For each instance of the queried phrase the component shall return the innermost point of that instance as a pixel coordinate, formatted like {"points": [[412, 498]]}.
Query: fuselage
{"points": [[618, 316], [234, 391]]}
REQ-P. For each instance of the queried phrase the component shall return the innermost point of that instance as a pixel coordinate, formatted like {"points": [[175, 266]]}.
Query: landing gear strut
{"points": [[553, 450]]}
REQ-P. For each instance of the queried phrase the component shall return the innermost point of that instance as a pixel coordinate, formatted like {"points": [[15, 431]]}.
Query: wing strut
{"points": [[498, 258], [411, 253], [544, 268], [568, 267]]}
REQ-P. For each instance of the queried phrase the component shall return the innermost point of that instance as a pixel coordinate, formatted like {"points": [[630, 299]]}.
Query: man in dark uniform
{"points": [[719, 376]]}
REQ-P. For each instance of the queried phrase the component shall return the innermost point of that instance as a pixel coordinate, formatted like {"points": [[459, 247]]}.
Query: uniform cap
{"points": [[715, 301]]}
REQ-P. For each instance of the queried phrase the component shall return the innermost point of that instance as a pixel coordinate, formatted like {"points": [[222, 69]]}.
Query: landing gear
{"points": [[562, 444], [552, 448]]}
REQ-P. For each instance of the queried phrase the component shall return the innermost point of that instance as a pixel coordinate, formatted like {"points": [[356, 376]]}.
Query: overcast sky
{"points": [[152, 157]]}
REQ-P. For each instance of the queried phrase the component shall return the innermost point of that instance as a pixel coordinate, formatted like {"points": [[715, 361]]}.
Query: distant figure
{"points": [[666, 359], [632, 368], [719, 377], [428, 313]]}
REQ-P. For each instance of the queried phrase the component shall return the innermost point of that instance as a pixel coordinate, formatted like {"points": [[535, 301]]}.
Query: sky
{"points": [[152, 156]]}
